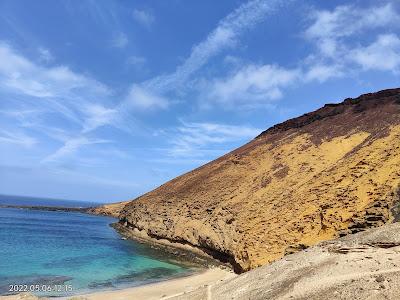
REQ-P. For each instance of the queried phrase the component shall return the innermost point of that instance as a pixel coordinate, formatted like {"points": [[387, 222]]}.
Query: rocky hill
{"points": [[323, 175]]}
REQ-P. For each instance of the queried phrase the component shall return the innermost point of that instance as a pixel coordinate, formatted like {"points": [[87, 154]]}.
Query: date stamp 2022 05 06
{"points": [[41, 288]]}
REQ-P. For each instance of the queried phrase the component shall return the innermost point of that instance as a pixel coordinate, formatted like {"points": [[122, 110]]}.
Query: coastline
{"points": [[183, 252], [166, 289], [206, 270], [47, 208]]}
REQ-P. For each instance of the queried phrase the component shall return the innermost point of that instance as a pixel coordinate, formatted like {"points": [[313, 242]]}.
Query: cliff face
{"points": [[322, 175]]}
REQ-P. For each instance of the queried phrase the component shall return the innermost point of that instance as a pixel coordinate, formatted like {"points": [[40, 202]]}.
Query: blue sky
{"points": [[105, 100]]}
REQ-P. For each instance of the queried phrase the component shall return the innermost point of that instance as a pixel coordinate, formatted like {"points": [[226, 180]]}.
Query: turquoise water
{"points": [[48, 248]]}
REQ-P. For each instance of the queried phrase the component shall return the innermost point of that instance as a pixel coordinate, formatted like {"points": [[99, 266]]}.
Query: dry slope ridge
{"points": [[322, 175]]}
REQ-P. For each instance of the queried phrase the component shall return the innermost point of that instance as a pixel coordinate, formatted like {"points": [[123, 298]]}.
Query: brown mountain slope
{"points": [[324, 174]]}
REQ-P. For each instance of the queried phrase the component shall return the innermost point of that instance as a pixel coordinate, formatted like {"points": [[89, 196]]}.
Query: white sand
{"points": [[164, 289], [160, 290]]}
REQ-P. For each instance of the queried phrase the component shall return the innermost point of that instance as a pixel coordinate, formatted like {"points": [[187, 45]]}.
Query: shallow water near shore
{"points": [[75, 249]]}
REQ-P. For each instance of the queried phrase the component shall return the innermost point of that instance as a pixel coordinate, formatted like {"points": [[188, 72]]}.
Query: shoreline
{"points": [[184, 252], [165, 289], [206, 270]]}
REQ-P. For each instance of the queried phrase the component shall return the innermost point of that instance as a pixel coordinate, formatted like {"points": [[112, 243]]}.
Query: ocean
{"points": [[68, 253]]}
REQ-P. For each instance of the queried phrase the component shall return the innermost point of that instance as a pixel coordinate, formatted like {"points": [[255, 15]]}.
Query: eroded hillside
{"points": [[316, 177]]}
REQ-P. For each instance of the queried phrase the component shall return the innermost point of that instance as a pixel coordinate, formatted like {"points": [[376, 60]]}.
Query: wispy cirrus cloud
{"points": [[151, 94], [81, 102], [224, 36], [71, 146], [58, 90], [17, 138], [20, 75], [341, 50], [198, 139], [97, 116], [144, 100], [25, 116]]}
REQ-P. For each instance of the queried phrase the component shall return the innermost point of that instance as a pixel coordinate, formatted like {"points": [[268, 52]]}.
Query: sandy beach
{"points": [[160, 290]]}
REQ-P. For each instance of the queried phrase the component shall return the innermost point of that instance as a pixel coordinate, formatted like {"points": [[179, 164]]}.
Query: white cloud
{"points": [[81, 98], [22, 76], [120, 40], [143, 17], [11, 62], [97, 116], [224, 36], [71, 146], [52, 90], [383, 54], [25, 117], [348, 20], [142, 99], [252, 84], [331, 30], [321, 72], [17, 138], [64, 91], [342, 37], [194, 139], [259, 86]]}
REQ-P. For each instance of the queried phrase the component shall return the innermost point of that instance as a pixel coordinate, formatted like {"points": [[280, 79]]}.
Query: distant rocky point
{"points": [[46, 208], [112, 209]]}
